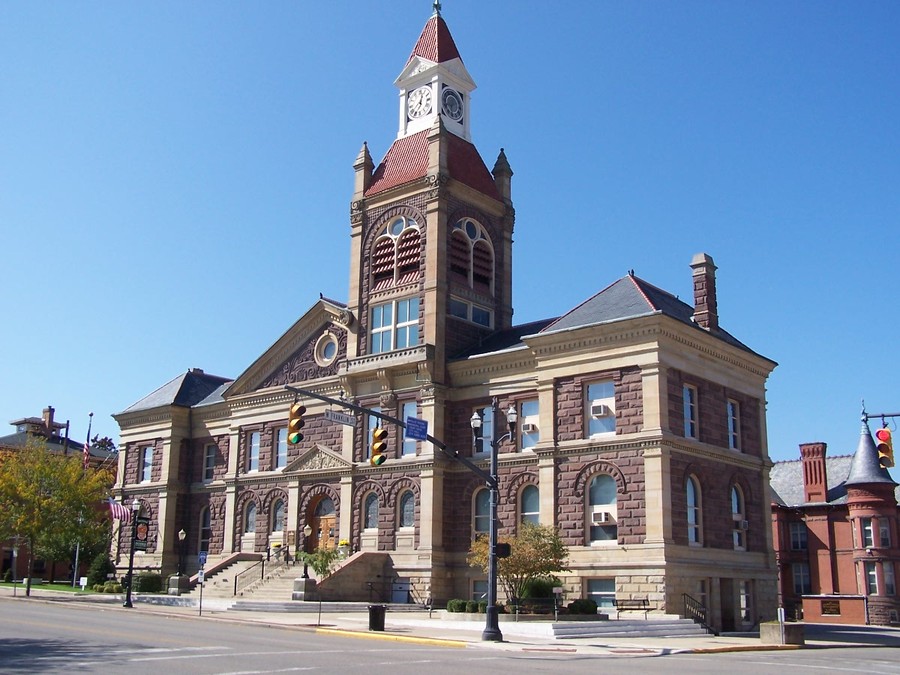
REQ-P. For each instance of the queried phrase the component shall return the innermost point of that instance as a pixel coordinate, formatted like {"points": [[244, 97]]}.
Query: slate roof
{"points": [[407, 160], [866, 468], [786, 481], [435, 43], [503, 340], [188, 389], [55, 444], [628, 298]]}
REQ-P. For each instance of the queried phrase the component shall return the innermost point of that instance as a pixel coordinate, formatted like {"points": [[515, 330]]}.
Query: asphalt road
{"points": [[56, 637]]}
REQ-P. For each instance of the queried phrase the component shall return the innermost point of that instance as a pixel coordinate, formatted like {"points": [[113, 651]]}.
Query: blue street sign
{"points": [[416, 429], [201, 558]]}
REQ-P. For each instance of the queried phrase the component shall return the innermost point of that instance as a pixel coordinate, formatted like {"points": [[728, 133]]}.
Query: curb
{"points": [[390, 637], [742, 648]]}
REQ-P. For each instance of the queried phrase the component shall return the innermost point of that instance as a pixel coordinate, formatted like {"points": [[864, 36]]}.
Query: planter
{"points": [[770, 633]]}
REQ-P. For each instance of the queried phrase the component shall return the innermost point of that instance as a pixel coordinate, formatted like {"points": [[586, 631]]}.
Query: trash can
{"points": [[376, 617]]}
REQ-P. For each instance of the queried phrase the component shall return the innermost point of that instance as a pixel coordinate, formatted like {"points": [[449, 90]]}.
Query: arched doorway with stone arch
{"points": [[322, 518]]}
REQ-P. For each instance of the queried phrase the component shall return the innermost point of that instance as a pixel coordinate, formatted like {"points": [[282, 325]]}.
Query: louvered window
{"points": [[482, 266], [408, 255], [383, 262], [396, 254], [459, 257], [471, 256]]}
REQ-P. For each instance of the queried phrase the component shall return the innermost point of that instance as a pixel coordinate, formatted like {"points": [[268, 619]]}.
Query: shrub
{"points": [[7, 576], [582, 606], [472, 606], [148, 582], [482, 607], [456, 605], [111, 587], [100, 569], [540, 587]]}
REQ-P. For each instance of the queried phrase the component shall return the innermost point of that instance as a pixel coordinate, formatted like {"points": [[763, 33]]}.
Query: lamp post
{"points": [[307, 530], [491, 631], [15, 559], [181, 537], [135, 509]]}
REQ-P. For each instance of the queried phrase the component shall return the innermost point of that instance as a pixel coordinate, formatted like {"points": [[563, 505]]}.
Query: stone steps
{"points": [[255, 605], [628, 628]]}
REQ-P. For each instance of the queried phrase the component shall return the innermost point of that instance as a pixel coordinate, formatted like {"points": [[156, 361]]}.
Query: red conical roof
{"points": [[435, 43]]}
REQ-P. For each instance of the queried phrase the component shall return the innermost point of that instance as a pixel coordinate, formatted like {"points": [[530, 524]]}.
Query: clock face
{"points": [[419, 102], [451, 102]]}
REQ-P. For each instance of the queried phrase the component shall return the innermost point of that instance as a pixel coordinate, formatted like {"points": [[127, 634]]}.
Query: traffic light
{"points": [[885, 447], [295, 423], [379, 446]]}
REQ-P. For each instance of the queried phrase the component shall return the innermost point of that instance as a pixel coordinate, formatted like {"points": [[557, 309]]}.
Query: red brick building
{"points": [[835, 532]]}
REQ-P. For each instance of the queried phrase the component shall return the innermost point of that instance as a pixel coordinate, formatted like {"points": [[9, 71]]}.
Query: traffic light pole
{"points": [[492, 626]]}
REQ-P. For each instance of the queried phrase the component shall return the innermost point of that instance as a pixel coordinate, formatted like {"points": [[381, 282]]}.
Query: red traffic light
{"points": [[885, 447]]}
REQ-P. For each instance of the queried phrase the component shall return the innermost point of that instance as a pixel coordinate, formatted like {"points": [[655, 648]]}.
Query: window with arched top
{"points": [[530, 505], [278, 516], [250, 518], [407, 510], [482, 512], [602, 510], [692, 494], [205, 529], [738, 518], [370, 512], [396, 254]]}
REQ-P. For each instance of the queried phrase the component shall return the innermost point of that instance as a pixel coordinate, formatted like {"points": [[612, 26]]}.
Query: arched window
{"points": [[250, 518], [396, 254], [739, 519], [278, 516], [530, 505], [692, 492], [602, 510], [407, 510], [205, 529], [482, 520], [472, 256], [370, 515], [325, 507]]}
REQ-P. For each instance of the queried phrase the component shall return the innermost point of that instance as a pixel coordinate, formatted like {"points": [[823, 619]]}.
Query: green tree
{"points": [[537, 551], [322, 560], [50, 503]]}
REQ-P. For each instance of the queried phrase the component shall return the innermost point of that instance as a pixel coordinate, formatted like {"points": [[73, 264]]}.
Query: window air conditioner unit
{"points": [[745, 525], [601, 518], [529, 428], [599, 410]]}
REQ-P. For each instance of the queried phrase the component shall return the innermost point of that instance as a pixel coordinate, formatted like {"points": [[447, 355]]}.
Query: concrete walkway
{"points": [[420, 628]]}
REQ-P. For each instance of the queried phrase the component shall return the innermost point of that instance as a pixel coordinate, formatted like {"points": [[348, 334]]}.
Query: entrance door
{"points": [[324, 526]]}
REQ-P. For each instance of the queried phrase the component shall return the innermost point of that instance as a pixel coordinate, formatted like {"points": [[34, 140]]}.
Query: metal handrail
{"points": [[244, 578], [694, 609]]}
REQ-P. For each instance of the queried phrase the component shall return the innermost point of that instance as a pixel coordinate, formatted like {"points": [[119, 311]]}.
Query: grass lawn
{"points": [[48, 587]]}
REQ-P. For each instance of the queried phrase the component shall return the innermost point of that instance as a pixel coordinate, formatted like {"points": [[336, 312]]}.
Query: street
{"points": [[56, 637]]}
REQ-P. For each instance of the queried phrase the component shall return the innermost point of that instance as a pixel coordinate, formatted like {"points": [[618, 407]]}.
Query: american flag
{"points": [[86, 455], [118, 511]]}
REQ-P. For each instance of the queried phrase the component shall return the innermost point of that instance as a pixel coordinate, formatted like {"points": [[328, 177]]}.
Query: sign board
{"points": [[201, 576], [82, 581], [831, 607], [340, 418], [416, 429], [201, 558], [141, 533]]}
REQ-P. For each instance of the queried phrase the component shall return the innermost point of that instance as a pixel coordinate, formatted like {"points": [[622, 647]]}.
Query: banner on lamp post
{"points": [[141, 533]]}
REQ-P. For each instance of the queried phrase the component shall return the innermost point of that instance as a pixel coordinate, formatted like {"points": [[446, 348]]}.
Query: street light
{"points": [[491, 631], [306, 532], [135, 509], [181, 536]]}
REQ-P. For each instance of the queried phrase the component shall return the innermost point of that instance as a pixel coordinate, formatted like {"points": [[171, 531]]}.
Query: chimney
{"points": [[706, 314], [48, 420], [815, 480]]}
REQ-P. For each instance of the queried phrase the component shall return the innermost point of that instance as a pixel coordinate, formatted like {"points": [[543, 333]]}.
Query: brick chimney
{"points": [[48, 420], [706, 313], [815, 480]]}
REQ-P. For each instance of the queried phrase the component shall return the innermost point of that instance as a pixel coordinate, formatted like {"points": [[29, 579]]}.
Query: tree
{"points": [[321, 560], [536, 551], [49, 502]]}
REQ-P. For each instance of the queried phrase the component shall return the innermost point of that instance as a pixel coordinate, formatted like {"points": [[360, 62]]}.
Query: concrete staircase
{"points": [[221, 583], [668, 626]]}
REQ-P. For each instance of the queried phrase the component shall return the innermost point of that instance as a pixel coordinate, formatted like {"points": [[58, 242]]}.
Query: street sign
{"points": [[416, 429], [201, 558], [201, 576], [340, 418]]}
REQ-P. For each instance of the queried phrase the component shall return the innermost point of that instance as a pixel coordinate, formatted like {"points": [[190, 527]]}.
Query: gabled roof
{"points": [[186, 390], [407, 160], [628, 298], [435, 43]]}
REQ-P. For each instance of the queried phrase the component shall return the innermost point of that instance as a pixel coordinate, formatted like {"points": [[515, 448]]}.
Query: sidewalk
{"points": [[417, 627]]}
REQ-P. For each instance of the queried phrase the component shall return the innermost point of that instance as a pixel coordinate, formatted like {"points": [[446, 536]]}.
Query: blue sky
{"points": [[175, 179]]}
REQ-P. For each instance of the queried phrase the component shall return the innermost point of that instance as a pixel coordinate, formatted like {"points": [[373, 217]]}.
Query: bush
{"points": [[482, 607], [110, 587], [472, 606], [100, 569], [540, 587], [7, 576], [148, 582], [582, 606], [456, 606]]}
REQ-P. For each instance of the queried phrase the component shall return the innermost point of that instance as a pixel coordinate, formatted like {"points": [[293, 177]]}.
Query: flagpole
{"points": [[84, 466]]}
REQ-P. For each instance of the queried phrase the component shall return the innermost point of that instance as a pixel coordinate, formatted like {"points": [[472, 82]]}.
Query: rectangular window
{"points": [[281, 448], [372, 423], [890, 587], [485, 435], [395, 325], [253, 452], [470, 312], [603, 592], [798, 537], [871, 579], [600, 408], [884, 533], [802, 583], [209, 461], [529, 432], [479, 590], [733, 411], [410, 409], [868, 540], [459, 309], [691, 429], [146, 464]]}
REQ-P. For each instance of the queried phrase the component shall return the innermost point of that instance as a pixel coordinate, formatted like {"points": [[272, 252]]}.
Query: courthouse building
{"points": [[641, 422]]}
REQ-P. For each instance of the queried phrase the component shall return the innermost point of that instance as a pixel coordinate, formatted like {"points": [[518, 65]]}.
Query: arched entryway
{"points": [[322, 518]]}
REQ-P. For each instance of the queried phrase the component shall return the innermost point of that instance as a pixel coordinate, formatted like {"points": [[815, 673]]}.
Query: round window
{"points": [[326, 349]]}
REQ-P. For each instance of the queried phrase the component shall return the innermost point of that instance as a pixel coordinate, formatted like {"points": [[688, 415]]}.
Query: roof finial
{"points": [[436, 6]]}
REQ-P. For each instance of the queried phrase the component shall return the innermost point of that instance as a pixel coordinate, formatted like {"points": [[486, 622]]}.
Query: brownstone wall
{"points": [[570, 398], [388, 485], [133, 461], [192, 465]]}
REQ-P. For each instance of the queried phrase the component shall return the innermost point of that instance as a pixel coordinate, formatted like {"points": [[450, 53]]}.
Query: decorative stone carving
{"points": [[436, 183], [302, 366]]}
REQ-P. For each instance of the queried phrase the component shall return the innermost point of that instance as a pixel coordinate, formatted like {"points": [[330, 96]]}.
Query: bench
{"points": [[633, 605]]}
